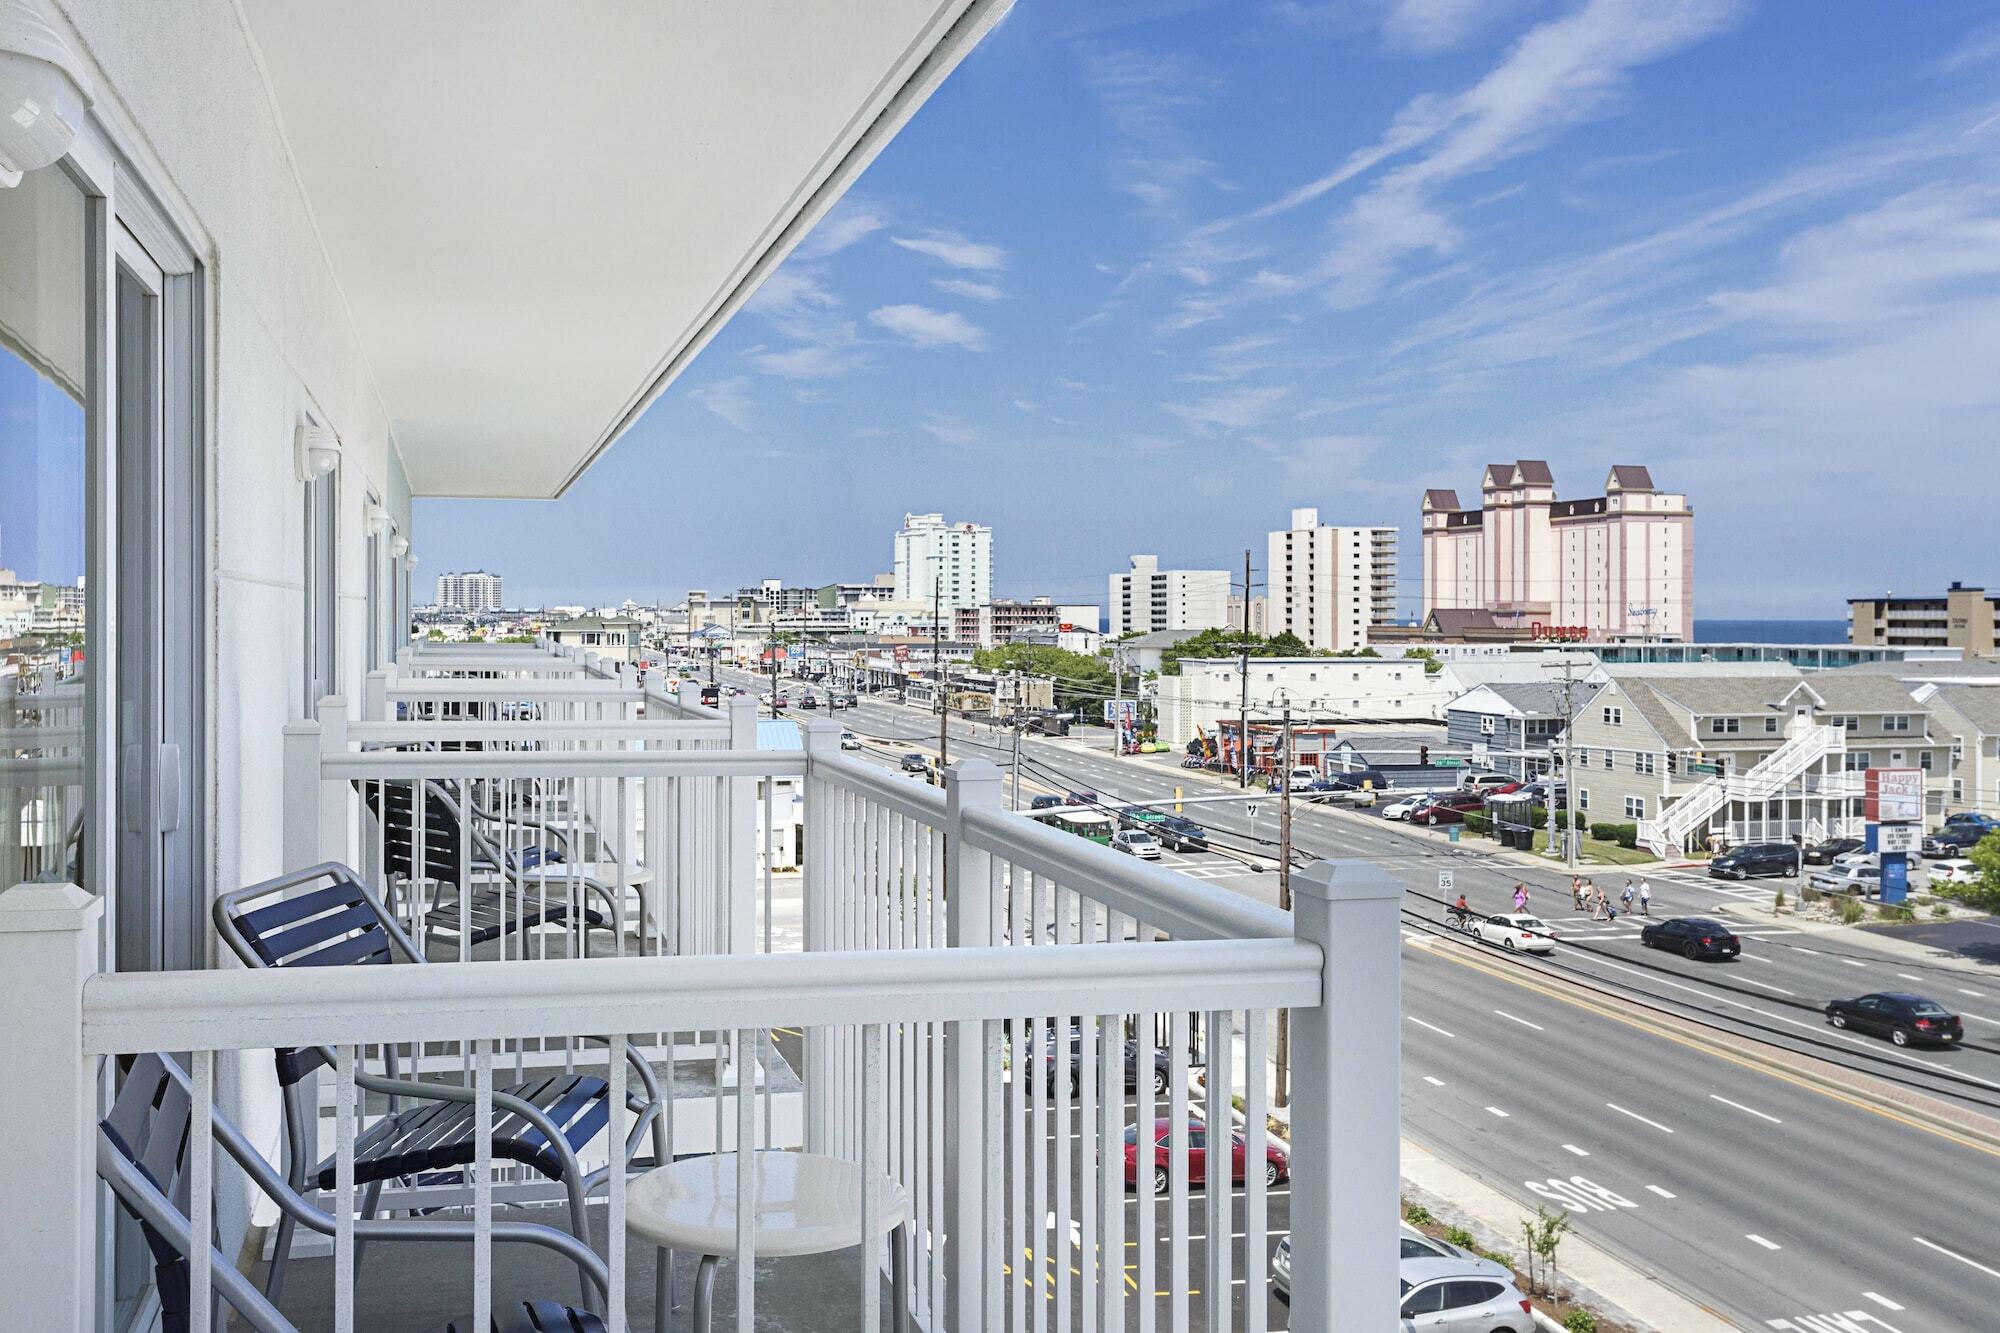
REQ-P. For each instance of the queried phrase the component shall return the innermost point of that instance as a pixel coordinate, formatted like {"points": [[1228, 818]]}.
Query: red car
{"points": [[1450, 810], [1277, 1166]]}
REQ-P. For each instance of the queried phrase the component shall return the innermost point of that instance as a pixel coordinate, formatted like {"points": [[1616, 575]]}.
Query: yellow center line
{"points": [[1694, 1045]]}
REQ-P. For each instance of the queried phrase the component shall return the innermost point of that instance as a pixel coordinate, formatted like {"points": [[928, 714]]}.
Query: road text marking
{"points": [[1881, 1300]]}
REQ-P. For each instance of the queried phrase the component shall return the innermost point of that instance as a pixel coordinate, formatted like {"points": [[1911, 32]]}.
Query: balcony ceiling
{"points": [[539, 213]]}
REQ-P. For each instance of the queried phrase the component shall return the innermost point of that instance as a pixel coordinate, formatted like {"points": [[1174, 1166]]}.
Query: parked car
{"points": [[916, 763], [1823, 853], [1491, 784], [1953, 839], [1987, 822], [893, 696], [1404, 807], [1162, 1063], [1445, 810], [809, 702], [1756, 858], [1277, 1166], [1416, 1245], [1862, 879], [1082, 798], [1136, 842], [1953, 870], [1692, 937], [849, 741], [1355, 779], [1446, 1296], [1045, 802], [1898, 1015], [782, 701], [1305, 773], [1521, 931]]}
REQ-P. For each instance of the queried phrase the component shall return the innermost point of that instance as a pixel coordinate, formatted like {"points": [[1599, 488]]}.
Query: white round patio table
{"points": [[806, 1204]]}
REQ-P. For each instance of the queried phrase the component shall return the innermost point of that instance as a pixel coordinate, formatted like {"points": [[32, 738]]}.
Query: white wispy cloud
{"points": [[806, 361], [729, 399], [851, 222], [798, 305], [1431, 26], [967, 288], [955, 250], [925, 327], [1236, 409], [949, 428]]}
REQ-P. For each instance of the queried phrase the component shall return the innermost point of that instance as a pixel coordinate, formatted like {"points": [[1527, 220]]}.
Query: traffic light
{"points": [[1423, 754]]}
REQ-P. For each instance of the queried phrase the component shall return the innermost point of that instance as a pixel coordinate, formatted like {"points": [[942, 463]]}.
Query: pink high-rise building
{"points": [[1617, 565]]}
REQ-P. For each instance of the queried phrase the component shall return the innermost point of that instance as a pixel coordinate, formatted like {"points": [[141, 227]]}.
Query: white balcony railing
{"points": [[945, 942]]}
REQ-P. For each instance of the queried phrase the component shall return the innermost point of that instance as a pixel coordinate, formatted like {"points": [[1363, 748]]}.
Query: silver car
{"points": [[1416, 1247], [1136, 842], [1450, 1296]]}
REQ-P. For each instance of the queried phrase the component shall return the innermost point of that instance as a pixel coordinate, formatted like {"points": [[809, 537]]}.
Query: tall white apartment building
{"points": [[1147, 598], [1327, 585], [1615, 565], [473, 590], [930, 551]]}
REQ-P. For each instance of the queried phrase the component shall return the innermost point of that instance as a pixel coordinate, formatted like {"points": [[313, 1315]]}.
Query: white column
{"points": [[968, 785], [740, 908], [48, 1263], [1346, 1096], [819, 872], [301, 838]]}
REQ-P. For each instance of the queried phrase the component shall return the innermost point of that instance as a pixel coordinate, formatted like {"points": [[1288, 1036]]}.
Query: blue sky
{"points": [[1146, 276]]}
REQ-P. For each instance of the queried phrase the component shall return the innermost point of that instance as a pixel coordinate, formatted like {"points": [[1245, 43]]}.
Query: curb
{"points": [[1964, 1125]]}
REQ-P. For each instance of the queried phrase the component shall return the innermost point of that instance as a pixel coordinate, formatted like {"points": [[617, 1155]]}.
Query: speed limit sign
{"points": [[1444, 881]]}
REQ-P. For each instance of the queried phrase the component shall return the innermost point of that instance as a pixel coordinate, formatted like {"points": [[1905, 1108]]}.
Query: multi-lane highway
{"points": [[1772, 1201]]}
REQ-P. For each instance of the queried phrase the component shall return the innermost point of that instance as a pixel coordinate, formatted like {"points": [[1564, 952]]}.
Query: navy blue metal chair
{"points": [[326, 917], [142, 1152]]}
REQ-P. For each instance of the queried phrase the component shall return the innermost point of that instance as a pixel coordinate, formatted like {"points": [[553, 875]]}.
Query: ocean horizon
{"points": [[1770, 631]]}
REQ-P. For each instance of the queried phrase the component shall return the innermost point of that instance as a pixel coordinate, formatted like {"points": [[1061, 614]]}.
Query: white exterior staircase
{"points": [[1809, 743]]}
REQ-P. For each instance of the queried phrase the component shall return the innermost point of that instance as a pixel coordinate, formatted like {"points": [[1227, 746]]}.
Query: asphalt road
{"points": [[1777, 1205]]}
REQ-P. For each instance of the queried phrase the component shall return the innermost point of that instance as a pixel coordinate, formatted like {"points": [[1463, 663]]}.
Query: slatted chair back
{"points": [[321, 917], [426, 848]]}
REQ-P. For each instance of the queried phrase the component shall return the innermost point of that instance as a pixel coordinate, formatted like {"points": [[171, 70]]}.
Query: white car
{"points": [[1402, 807], [1953, 870], [849, 741], [1522, 931], [1136, 842], [1856, 879], [1449, 1296]]}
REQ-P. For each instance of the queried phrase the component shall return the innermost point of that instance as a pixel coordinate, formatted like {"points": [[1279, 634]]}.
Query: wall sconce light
{"points": [[43, 91], [316, 448], [409, 562], [399, 546]]}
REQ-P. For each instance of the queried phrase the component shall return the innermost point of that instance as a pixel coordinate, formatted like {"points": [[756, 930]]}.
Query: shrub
{"points": [[1417, 1215], [1604, 832], [1778, 900], [1458, 1236], [1939, 909], [1478, 822], [1895, 912], [1808, 894], [1851, 911], [1580, 1321]]}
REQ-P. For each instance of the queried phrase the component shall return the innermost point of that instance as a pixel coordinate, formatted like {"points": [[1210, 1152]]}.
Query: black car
{"points": [[1692, 937], [916, 763], [1901, 1017], [1822, 853], [1181, 835], [1756, 858], [1045, 802]]}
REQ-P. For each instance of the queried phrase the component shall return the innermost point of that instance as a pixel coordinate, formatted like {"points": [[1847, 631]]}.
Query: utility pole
{"points": [[1281, 1094], [1569, 763], [937, 671], [1118, 699], [1019, 715], [1243, 672]]}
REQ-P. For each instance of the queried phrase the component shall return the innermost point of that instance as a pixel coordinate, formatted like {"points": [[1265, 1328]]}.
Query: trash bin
{"points": [[1451, 831]]}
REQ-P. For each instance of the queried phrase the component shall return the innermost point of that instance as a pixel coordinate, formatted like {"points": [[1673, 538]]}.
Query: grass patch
{"points": [[1599, 853]]}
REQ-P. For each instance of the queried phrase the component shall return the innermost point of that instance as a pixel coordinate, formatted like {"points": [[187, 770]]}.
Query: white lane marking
{"points": [[1975, 994], [1641, 1119], [1494, 1110], [1954, 1254], [1522, 1021], [1741, 1107], [1853, 962], [1881, 1300], [1768, 986], [1662, 1193], [1432, 1026], [1909, 976], [1571, 1147], [1802, 949], [1767, 1244], [1434, 1082]]}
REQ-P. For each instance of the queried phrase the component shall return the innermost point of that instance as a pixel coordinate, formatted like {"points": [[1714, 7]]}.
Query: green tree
{"points": [[1229, 643], [1429, 657], [1985, 895], [1081, 683]]}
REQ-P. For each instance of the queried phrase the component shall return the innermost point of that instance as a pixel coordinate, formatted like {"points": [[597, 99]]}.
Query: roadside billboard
{"points": [[1895, 795]]}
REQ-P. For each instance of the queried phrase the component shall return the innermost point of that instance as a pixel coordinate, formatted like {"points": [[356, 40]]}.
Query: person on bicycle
{"points": [[1460, 912]]}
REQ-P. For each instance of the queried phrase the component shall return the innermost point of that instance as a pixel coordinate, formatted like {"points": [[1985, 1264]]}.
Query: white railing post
{"points": [[48, 1263], [740, 835], [333, 792], [375, 697], [816, 880], [968, 888], [1346, 1095], [302, 768]]}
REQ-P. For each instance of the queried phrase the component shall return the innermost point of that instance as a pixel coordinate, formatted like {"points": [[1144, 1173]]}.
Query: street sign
{"points": [[1899, 838], [1253, 809], [1447, 763], [1479, 753], [1444, 881], [1894, 795]]}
